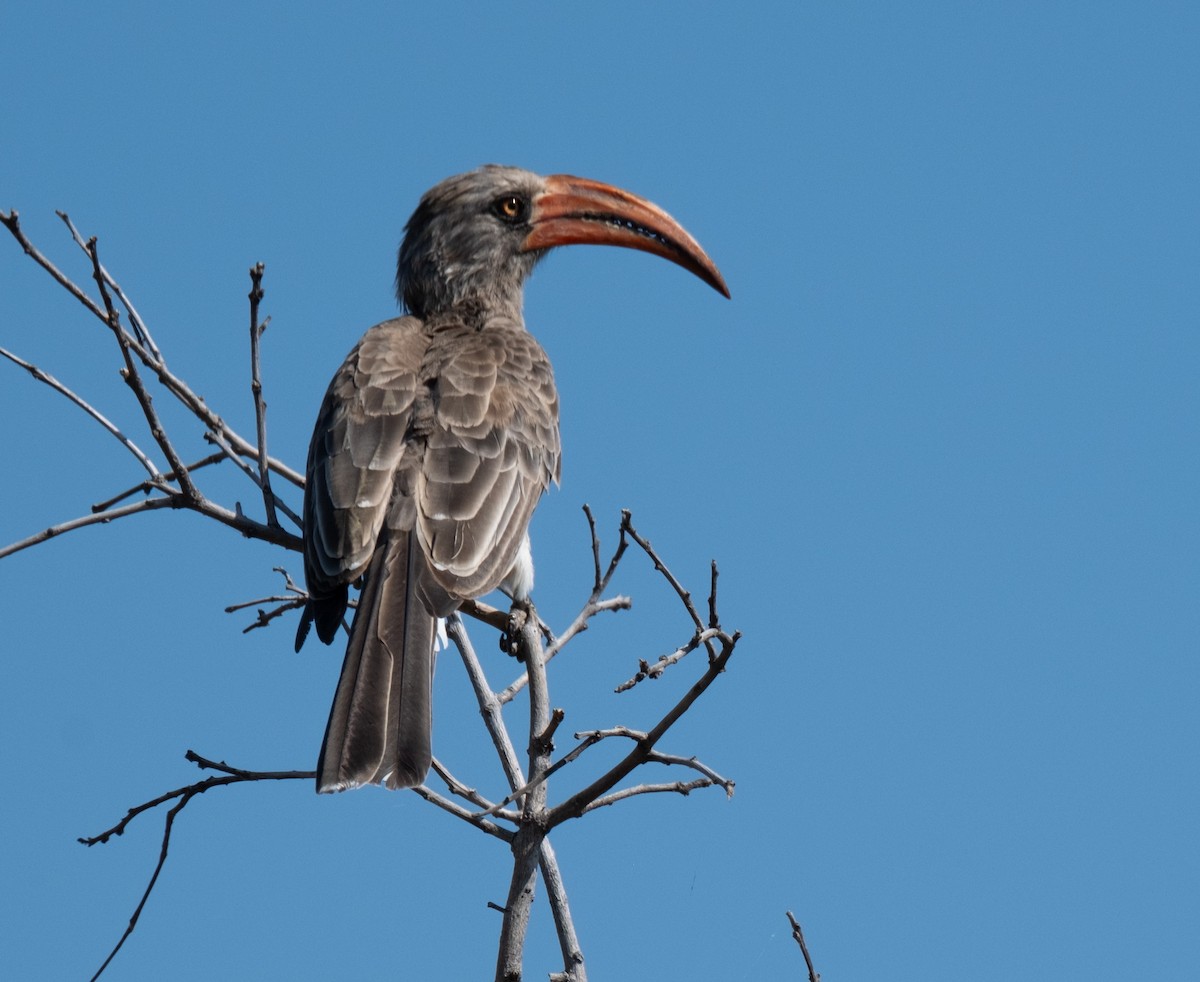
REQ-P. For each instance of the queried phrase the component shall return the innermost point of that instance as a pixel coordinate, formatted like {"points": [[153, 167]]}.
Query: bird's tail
{"points": [[380, 725]]}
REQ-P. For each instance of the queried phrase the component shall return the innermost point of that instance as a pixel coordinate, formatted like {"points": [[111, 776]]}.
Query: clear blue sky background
{"points": [[943, 443]]}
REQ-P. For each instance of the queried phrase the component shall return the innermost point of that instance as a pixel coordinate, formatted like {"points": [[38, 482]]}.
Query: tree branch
{"points": [[798, 935], [163, 484], [233, 775], [142, 345], [489, 705], [648, 671], [139, 328], [684, 595], [112, 428], [526, 845], [577, 804], [574, 968], [591, 607], [102, 518], [256, 388], [12, 221], [229, 453], [678, 787], [134, 380], [491, 828]]}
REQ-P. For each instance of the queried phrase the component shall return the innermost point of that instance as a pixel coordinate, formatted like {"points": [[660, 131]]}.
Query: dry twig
{"points": [[260, 406], [798, 935], [233, 775], [137, 347]]}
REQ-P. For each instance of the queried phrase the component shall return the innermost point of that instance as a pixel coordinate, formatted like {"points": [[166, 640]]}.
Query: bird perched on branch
{"points": [[435, 441]]}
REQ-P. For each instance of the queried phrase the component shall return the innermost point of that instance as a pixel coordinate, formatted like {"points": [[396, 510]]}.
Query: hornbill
{"points": [[436, 438]]}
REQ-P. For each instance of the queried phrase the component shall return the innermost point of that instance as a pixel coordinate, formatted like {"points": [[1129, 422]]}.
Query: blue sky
{"points": [[942, 443]]}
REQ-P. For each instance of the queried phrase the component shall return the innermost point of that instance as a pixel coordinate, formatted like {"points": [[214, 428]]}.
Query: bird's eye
{"points": [[510, 208]]}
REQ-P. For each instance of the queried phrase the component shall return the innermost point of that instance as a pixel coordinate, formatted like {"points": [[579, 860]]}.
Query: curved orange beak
{"points": [[578, 211]]}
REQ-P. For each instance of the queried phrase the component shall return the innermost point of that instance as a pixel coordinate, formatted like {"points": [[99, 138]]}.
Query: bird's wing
{"points": [[357, 447], [491, 450]]}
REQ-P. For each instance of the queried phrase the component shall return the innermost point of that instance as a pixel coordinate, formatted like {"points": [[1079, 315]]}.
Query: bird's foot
{"points": [[518, 616]]}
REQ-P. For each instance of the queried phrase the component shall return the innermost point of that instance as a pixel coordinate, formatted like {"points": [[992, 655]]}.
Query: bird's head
{"points": [[477, 236]]}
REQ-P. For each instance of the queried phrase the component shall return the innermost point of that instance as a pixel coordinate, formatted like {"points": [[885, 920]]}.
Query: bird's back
{"points": [[446, 427]]}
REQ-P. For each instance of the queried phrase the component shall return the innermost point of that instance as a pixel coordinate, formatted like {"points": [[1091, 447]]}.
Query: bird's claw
{"points": [[518, 615]]}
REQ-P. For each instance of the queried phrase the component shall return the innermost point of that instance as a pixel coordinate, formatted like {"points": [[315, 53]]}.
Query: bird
{"points": [[435, 441]]}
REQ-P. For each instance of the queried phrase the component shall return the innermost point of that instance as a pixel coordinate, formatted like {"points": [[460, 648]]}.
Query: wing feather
{"points": [[359, 443], [444, 427], [492, 450]]}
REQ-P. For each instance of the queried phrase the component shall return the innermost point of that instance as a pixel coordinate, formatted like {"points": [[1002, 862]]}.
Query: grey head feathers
{"points": [[464, 243]]}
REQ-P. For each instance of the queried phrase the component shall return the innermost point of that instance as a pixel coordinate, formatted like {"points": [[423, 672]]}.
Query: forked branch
{"points": [[172, 485], [181, 797]]}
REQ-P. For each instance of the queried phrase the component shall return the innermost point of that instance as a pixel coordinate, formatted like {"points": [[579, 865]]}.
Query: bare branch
{"points": [[564, 925], [102, 518], [233, 775], [294, 599], [288, 583], [489, 705], [591, 520], [678, 787], [139, 328], [653, 671], [265, 617], [660, 566], [491, 828], [134, 380], [172, 499], [12, 222], [546, 737], [531, 833], [712, 597], [580, 624], [218, 426], [575, 806], [472, 795], [592, 606], [577, 626], [247, 526], [142, 344], [643, 750], [684, 595], [160, 485], [219, 440], [260, 405], [614, 562], [589, 738], [58, 387], [798, 935], [696, 765], [485, 613], [491, 710]]}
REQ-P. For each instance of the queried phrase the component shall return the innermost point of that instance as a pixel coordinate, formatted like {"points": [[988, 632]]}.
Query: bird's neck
{"points": [[474, 302], [477, 313]]}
